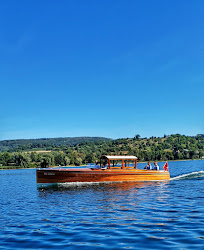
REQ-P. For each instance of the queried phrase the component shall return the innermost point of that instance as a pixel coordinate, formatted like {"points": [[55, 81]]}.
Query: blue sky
{"points": [[101, 68]]}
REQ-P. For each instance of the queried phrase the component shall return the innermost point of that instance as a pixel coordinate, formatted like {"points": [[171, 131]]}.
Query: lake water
{"points": [[143, 215]]}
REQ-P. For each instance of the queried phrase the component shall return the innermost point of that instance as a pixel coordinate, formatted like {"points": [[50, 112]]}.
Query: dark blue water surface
{"points": [[143, 215]]}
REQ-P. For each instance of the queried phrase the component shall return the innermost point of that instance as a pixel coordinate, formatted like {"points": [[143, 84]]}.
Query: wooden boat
{"points": [[107, 172]]}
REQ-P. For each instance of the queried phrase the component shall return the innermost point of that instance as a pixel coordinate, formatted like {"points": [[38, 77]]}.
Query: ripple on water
{"points": [[108, 216]]}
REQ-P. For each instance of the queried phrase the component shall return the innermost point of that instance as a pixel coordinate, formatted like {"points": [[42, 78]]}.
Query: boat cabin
{"points": [[112, 161]]}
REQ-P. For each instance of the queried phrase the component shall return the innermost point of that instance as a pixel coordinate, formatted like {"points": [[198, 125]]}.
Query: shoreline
{"points": [[13, 168]]}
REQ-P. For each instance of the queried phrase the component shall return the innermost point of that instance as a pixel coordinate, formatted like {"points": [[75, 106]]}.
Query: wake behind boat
{"points": [[108, 171]]}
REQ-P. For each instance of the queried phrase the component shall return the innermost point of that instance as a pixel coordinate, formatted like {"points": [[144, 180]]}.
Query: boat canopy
{"points": [[123, 158], [119, 157]]}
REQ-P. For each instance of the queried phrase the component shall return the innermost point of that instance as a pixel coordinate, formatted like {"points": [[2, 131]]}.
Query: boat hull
{"points": [[52, 176]]}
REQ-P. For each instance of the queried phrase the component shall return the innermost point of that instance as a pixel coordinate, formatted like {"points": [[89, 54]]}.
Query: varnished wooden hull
{"points": [[52, 176]]}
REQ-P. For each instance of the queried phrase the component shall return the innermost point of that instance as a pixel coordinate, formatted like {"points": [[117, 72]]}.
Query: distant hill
{"points": [[46, 143]]}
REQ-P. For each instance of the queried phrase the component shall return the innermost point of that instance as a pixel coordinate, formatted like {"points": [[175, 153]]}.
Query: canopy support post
{"points": [[109, 164], [136, 164]]}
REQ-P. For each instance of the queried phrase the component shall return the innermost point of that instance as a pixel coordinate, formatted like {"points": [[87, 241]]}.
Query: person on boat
{"points": [[104, 166], [97, 166], [148, 166], [156, 167]]}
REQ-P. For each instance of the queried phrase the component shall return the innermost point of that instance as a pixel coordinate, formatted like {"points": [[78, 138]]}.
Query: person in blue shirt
{"points": [[97, 166], [148, 166]]}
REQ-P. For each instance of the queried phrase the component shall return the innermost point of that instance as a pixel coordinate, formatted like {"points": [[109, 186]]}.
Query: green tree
{"points": [[5, 158], [46, 160], [78, 161], [59, 158], [22, 159], [137, 136], [34, 156], [67, 160]]}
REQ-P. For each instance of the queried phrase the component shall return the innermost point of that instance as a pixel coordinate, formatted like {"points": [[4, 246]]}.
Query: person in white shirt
{"points": [[156, 167]]}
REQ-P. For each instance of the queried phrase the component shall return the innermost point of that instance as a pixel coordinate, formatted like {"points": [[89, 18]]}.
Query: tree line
{"points": [[45, 143], [172, 147]]}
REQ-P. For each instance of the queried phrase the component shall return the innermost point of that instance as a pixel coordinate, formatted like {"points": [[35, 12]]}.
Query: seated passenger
{"points": [[156, 167], [148, 166], [104, 166], [97, 166]]}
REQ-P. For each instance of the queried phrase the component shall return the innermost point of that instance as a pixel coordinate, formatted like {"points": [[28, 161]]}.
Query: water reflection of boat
{"points": [[106, 172]]}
